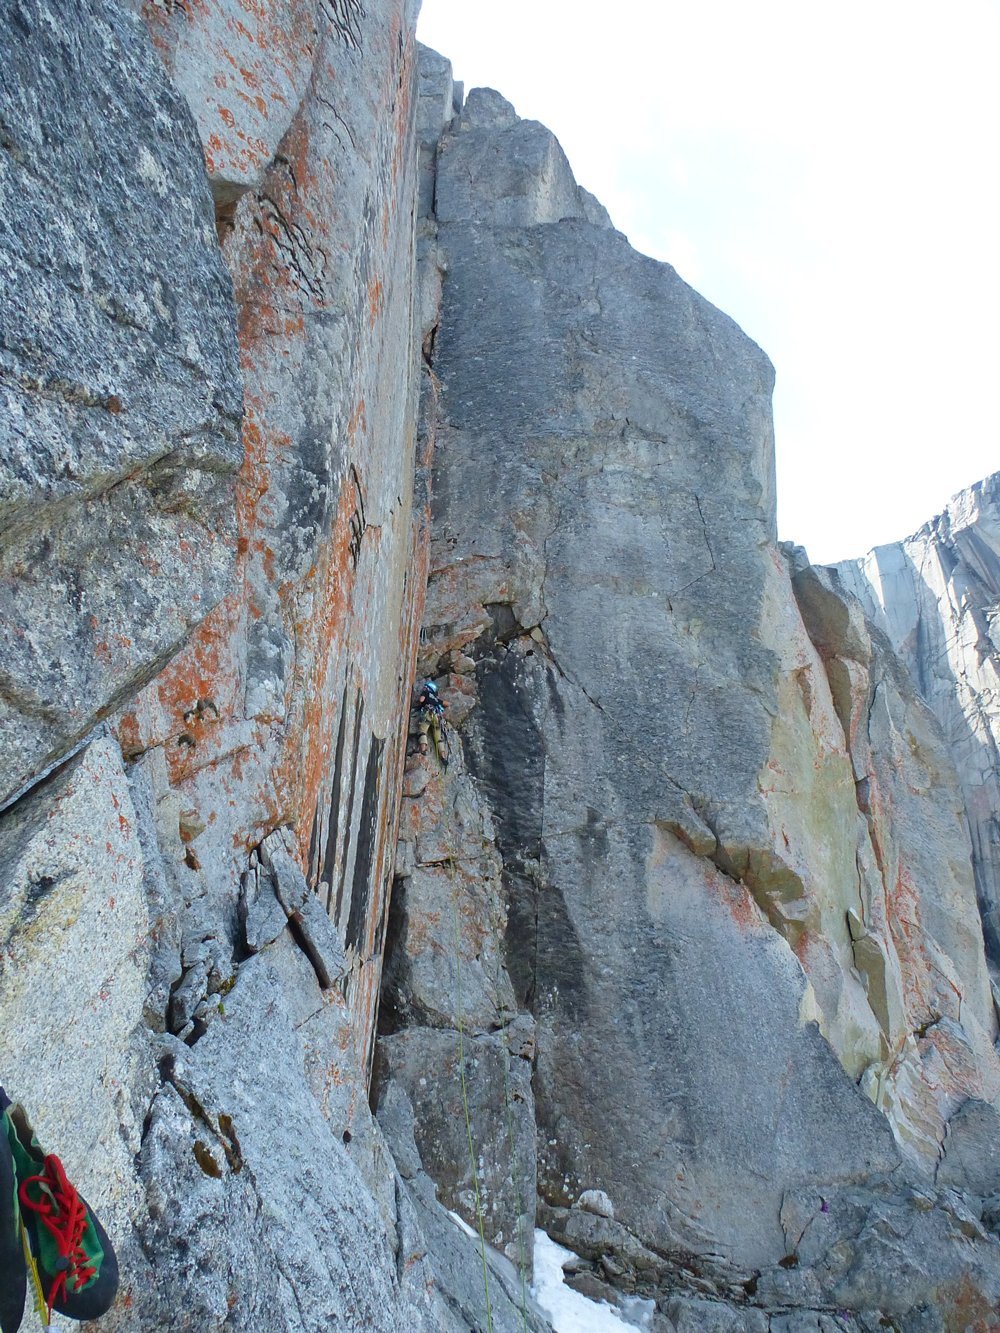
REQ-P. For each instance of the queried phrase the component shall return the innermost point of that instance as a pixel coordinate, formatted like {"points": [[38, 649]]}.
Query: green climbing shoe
{"points": [[13, 1268], [76, 1266]]}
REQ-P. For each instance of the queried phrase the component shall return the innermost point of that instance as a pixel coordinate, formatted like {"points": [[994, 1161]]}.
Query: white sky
{"points": [[828, 176]]}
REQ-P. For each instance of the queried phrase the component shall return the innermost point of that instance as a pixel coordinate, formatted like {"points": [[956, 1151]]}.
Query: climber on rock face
{"points": [[431, 718]]}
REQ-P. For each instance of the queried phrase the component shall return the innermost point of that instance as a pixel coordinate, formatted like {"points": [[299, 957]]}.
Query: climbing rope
{"points": [[519, 1221], [513, 1159], [465, 1101]]}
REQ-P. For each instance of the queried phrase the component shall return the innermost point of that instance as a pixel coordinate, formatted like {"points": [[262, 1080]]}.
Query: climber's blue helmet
{"points": [[430, 687]]}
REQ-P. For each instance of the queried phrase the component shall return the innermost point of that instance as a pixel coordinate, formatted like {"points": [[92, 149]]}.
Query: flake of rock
{"points": [[261, 915], [197, 949], [318, 937], [215, 56], [519, 1035], [835, 623], [405, 863], [287, 879], [596, 1201], [312, 928], [396, 1119], [416, 776], [190, 825], [187, 996], [460, 693]]}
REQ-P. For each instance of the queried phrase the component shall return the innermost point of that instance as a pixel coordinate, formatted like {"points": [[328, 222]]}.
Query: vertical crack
{"points": [[704, 533]]}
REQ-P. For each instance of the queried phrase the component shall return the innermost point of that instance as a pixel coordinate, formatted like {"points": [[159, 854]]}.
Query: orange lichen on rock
{"points": [[328, 590], [270, 49], [375, 301], [905, 928], [735, 897]]}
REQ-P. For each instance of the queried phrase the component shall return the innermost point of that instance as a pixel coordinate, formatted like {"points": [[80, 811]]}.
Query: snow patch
{"points": [[570, 1312]]}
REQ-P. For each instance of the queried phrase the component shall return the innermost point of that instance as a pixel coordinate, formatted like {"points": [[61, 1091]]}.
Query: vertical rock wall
{"points": [[284, 707], [935, 596], [450, 1063], [210, 353], [121, 392], [737, 900], [915, 935]]}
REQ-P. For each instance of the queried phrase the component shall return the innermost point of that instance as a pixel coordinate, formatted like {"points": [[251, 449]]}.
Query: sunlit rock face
{"points": [[738, 899], [935, 596]]}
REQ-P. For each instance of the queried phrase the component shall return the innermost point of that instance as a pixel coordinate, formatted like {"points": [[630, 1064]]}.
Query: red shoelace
{"points": [[62, 1210]]}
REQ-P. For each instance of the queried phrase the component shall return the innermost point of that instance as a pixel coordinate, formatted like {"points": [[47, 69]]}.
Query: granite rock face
{"points": [[453, 1044], [683, 933], [935, 596], [121, 393], [739, 906], [282, 710], [214, 408], [914, 932]]}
